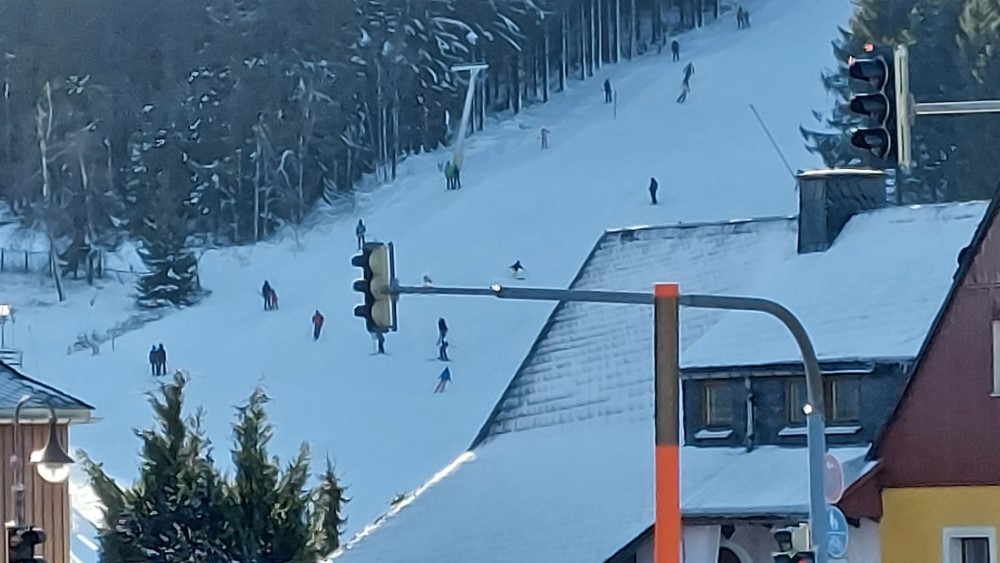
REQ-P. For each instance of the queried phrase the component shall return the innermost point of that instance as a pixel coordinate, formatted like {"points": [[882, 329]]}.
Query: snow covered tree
{"points": [[182, 508]]}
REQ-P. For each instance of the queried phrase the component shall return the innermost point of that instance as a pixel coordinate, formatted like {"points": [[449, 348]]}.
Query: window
{"points": [[996, 358], [841, 396], [717, 404], [969, 545]]}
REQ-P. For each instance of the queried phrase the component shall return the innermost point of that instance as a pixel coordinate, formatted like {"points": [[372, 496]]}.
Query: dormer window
{"points": [[842, 398], [717, 404]]}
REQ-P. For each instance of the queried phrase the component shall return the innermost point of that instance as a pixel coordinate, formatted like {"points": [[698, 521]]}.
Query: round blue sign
{"points": [[836, 532]]}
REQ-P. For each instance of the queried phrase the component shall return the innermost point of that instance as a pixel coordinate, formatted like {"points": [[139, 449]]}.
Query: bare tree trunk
{"points": [[563, 51], [43, 128], [256, 185], [239, 195], [583, 42], [8, 130], [596, 23], [618, 31], [633, 28]]}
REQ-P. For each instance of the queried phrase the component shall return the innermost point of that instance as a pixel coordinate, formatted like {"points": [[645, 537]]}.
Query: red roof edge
{"points": [[863, 499]]}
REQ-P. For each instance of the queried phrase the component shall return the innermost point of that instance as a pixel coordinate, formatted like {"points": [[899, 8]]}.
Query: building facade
{"points": [[46, 504]]}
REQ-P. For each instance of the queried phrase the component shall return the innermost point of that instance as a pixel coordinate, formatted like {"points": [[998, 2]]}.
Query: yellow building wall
{"points": [[913, 519]]}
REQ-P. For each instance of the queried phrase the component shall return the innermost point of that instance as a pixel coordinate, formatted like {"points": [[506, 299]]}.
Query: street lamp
{"points": [[52, 462]]}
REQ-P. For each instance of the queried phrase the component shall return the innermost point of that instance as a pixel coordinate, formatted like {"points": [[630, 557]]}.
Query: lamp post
{"points": [[52, 462], [4, 317]]}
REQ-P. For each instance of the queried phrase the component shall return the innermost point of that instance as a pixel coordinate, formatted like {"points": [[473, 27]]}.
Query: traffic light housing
{"points": [[793, 545], [21, 544], [878, 105], [379, 308]]}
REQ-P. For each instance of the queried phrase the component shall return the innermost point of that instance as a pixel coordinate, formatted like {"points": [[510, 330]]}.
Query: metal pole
{"points": [[952, 108], [816, 425], [667, 540], [17, 465]]}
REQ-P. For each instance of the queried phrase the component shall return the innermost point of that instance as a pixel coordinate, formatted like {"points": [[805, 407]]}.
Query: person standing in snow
{"points": [[380, 339], [265, 291], [154, 363], [443, 380], [449, 175], [442, 329], [688, 73], [739, 18], [317, 320], [515, 269], [653, 187], [675, 50], [161, 360], [607, 91], [360, 231], [545, 138], [457, 176], [746, 19], [443, 351]]}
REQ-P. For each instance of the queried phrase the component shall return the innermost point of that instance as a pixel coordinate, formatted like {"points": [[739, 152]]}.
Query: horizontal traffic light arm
{"points": [[956, 108]]}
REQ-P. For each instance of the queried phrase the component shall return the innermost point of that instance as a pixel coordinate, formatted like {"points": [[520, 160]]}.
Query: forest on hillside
{"points": [[189, 122], [954, 56]]}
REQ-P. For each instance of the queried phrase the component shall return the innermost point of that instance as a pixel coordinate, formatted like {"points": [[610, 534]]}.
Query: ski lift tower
{"points": [[474, 69]]}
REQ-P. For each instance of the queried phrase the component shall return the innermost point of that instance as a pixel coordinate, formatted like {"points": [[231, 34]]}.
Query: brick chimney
{"points": [[829, 198]]}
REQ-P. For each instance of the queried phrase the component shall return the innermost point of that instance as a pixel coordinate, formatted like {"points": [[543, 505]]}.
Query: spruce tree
{"points": [[182, 508]]}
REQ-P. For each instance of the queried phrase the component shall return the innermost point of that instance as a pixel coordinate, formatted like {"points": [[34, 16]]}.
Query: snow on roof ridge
{"points": [[698, 224]]}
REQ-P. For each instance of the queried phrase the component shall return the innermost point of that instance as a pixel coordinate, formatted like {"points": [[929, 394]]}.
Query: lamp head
{"points": [[52, 462]]}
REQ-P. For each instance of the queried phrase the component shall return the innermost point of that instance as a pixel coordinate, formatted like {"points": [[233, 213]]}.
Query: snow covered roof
{"points": [[573, 433], [15, 385]]}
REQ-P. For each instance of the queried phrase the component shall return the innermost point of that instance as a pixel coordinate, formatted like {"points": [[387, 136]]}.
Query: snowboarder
{"points": [[442, 330], [675, 50], [154, 361], [161, 360], [688, 73], [380, 338], [739, 18], [360, 231], [265, 291], [653, 187], [317, 320], [545, 138], [515, 269], [443, 351], [443, 380], [685, 89], [607, 91], [449, 175]]}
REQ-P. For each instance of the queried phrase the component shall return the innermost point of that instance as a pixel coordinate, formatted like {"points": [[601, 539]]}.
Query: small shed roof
{"points": [[14, 385]]}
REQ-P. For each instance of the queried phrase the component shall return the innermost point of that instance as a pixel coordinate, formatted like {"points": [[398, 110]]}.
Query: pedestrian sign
{"points": [[836, 533]]}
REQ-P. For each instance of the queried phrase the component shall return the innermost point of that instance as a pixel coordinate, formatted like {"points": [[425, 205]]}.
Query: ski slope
{"points": [[376, 416]]}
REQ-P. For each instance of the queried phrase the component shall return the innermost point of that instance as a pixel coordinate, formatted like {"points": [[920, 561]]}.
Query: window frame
{"points": [[995, 324], [951, 542], [793, 412], [707, 388]]}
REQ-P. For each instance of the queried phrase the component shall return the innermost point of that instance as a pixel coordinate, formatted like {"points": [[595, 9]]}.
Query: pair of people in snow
{"points": [[158, 360], [452, 176], [270, 296], [742, 18]]}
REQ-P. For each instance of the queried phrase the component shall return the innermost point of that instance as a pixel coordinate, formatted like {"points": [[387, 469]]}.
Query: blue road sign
{"points": [[836, 533]]}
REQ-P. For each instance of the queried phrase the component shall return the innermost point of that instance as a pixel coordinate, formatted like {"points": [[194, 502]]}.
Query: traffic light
{"points": [[379, 308], [877, 105], [21, 543], [793, 545]]}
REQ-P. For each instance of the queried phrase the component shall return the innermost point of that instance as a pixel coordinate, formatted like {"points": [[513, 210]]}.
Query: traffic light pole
{"points": [[667, 298]]}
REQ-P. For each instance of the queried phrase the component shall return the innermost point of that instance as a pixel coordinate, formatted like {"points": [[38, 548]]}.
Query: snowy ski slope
{"points": [[375, 416]]}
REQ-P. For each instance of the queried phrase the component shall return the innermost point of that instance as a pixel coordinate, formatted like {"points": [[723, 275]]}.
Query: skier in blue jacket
{"points": [[443, 380]]}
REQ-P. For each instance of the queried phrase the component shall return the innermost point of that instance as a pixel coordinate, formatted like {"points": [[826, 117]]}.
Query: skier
{"points": [[443, 380], [442, 329], [675, 50], [607, 91], [443, 351], [266, 292], [739, 18], [154, 363], [317, 320], [360, 231], [653, 186], [161, 360], [449, 175], [545, 138], [685, 90], [516, 268], [380, 338], [688, 72]]}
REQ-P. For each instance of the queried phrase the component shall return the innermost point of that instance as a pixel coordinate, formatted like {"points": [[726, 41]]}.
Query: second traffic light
{"points": [[379, 308], [21, 544], [877, 105]]}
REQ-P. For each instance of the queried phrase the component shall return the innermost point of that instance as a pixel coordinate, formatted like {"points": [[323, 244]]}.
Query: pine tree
{"points": [[183, 509]]}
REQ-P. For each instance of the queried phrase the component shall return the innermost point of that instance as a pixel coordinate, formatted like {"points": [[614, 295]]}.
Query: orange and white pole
{"points": [[667, 529]]}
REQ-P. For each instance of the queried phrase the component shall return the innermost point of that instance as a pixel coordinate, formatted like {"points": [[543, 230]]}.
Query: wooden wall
{"points": [[46, 504]]}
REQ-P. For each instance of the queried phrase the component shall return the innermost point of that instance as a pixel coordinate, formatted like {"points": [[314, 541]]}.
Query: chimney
{"points": [[829, 198]]}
